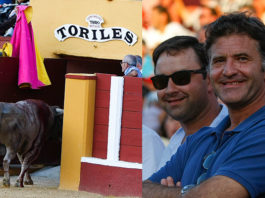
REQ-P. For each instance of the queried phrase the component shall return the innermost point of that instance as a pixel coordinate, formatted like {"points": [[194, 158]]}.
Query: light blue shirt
{"points": [[176, 139], [131, 68], [152, 151]]}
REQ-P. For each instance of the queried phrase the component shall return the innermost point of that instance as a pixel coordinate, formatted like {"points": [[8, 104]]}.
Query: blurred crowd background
{"points": [[163, 19]]}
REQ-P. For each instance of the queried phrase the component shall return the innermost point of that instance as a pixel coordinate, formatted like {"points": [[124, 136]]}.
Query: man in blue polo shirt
{"points": [[184, 92], [228, 160]]}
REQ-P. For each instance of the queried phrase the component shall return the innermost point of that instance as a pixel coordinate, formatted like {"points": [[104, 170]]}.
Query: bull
{"points": [[24, 126]]}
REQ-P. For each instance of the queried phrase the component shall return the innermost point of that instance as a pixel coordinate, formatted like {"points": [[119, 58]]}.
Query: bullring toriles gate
{"points": [[102, 134]]}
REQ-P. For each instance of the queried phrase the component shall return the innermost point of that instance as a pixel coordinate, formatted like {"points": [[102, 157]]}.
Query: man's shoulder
{"points": [[254, 123], [131, 68]]}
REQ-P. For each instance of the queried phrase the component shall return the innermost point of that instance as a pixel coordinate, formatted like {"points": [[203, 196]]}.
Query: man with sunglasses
{"points": [[227, 160], [184, 90]]}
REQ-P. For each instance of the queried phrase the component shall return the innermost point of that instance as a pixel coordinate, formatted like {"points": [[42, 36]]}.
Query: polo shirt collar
{"points": [[247, 123]]}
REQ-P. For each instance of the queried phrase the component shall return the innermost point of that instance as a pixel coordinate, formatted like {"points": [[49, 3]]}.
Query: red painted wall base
{"points": [[109, 180]]}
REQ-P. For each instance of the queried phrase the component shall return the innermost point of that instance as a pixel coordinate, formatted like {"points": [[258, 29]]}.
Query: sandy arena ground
{"points": [[44, 187]]}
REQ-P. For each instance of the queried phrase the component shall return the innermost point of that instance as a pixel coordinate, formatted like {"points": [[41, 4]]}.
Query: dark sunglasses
{"points": [[179, 78]]}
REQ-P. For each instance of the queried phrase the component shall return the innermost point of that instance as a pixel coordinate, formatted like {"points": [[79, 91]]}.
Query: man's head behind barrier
{"points": [[237, 23], [130, 59]]}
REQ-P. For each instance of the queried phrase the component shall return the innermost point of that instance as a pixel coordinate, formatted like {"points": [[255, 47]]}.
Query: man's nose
{"points": [[171, 86], [229, 67]]}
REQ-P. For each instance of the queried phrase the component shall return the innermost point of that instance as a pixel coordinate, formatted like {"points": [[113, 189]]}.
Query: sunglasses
{"points": [[179, 78], [208, 160]]}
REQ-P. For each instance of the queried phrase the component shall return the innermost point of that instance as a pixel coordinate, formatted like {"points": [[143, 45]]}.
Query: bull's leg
{"points": [[10, 154], [27, 160], [27, 178], [20, 179]]}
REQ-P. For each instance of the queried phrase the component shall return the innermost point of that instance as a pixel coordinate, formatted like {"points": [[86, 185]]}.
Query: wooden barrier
{"points": [[111, 146], [115, 168], [78, 126]]}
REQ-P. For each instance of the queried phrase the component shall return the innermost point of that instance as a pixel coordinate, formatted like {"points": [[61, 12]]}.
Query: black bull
{"points": [[24, 126]]}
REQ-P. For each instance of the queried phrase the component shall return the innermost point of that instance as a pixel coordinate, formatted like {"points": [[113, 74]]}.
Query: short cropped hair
{"points": [[179, 43], [237, 23]]}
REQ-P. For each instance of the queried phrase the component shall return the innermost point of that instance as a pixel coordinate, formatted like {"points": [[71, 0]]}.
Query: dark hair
{"points": [[236, 23], [164, 10], [179, 43]]}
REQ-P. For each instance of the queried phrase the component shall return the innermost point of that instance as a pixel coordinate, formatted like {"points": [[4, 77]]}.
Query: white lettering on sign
{"points": [[95, 32]]}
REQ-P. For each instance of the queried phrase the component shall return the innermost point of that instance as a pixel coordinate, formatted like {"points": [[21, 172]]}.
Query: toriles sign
{"points": [[95, 32]]}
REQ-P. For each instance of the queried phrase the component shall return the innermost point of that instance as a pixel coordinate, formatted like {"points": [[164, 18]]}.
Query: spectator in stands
{"points": [[234, 5], [169, 126], [186, 95], [207, 15], [148, 67], [147, 6], [8, 18], [162, 28], [5, 21], [259, 6], [175, 9], [128, 66]]}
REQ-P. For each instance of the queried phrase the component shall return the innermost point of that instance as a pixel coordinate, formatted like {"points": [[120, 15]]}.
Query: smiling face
{"points": [[236, 71], [184, 102]]}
